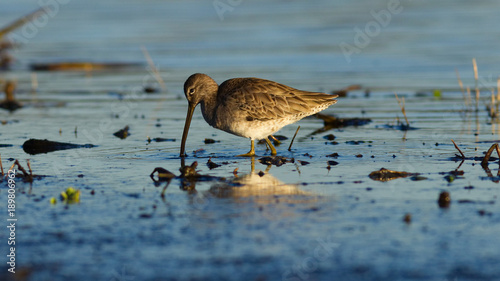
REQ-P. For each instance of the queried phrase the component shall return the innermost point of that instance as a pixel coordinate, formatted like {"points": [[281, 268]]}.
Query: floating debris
{"points": [[81, 66], [399, 126], [491, 141], [36, 146], [449, 178], [353, 142], [387, 175], [457, 173], [123, 133], [343, 92], [189, 171], [163, 175], [333, 122], [163, 140], [329, 137], [210, 141], [276, 160], [467, 201], [211, 165], [189, 176], [199, 151], [70, 196], [484, 213], [444, 199], [407, 218], [418, 178]]}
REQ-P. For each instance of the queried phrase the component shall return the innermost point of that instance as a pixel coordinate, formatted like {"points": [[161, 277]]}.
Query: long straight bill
{"points": [[189, 116]]}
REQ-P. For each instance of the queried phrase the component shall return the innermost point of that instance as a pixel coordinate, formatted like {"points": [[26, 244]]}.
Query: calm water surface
{"points": [[297, 222]]}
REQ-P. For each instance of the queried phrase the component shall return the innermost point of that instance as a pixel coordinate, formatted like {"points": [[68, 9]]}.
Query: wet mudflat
{"points": [[318, 215]]}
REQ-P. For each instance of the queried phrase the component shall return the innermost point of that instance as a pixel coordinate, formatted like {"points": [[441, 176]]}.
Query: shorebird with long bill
{"points": [[253, 108]]}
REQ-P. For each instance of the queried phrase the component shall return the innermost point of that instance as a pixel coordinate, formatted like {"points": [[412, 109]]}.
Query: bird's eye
{"points": [[191, 91]]}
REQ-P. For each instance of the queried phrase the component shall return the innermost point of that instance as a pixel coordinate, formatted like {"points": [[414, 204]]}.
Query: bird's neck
{"points": [[208, 108]]}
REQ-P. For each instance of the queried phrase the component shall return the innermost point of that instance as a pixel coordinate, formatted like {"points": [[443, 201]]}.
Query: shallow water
{"points": [[297, 222]]}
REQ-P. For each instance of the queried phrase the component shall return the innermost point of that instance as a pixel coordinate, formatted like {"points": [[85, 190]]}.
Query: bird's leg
{"points": [[251, 152], [275, 139], [273, 150]]}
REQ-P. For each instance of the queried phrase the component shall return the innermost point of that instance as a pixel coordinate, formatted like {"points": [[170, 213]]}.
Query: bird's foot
{"points": [[248, 154], [251, 153], [273, 150]]}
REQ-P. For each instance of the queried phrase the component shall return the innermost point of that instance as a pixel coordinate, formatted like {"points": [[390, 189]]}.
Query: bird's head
{"points": [[196, 88]]}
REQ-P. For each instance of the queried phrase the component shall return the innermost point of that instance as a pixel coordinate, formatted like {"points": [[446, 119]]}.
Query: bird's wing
{"points": [[267, 100]]}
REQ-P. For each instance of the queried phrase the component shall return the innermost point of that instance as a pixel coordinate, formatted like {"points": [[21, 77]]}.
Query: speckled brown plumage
{"points": [[250, 107]]}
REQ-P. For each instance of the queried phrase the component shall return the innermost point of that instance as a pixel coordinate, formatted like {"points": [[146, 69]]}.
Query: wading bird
{"points": [[249, 107]]}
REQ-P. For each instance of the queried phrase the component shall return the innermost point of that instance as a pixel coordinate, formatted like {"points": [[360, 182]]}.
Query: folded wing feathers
{"points": [[267, 101], [265, 106]]}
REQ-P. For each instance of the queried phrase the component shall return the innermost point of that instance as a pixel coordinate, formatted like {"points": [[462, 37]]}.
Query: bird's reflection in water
{"points": [[260, 187], [252, 196]]}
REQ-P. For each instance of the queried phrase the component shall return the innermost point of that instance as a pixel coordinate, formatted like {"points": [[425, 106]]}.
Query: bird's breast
{"points": [[239, 124]]}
